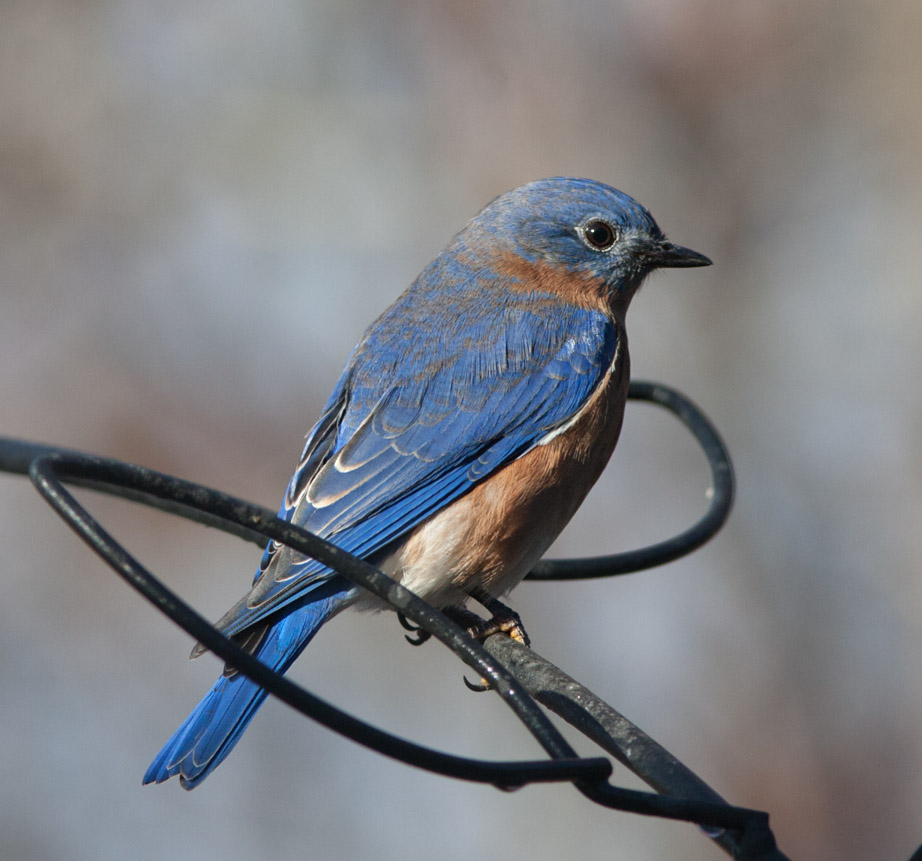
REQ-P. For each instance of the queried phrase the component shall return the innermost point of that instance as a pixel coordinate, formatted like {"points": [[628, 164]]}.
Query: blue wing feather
{"points": [[411, 427]]}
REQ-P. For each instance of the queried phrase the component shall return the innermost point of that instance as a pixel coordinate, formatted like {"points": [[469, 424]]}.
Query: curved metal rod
{"points": [[590, 775], [630, 745], [720, 495], [17, 455], [46, 463], [45, 473]]}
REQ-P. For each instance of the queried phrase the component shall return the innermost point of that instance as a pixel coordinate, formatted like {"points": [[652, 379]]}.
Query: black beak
{"points": [[665, 255]]}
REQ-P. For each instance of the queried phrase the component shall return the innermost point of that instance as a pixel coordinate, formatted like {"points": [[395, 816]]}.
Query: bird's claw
{"points": [[421, 634], [512, 626], [503, 620], [477, 689]]}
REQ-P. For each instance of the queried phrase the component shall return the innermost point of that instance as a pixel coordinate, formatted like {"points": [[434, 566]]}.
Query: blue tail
{"points": [[217, 722]]}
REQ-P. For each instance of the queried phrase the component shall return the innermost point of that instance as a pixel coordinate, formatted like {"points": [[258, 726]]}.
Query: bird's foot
{"points": [[503, 619]]}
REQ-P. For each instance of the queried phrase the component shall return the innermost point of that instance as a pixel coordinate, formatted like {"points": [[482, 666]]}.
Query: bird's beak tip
{"points": [[672, 256]]}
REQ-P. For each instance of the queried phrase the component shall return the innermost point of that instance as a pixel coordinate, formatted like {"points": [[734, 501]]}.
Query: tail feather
{"points": [[210, 732]]}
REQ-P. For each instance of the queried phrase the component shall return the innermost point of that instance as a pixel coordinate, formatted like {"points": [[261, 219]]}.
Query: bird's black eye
{"points": [[599, 235]]}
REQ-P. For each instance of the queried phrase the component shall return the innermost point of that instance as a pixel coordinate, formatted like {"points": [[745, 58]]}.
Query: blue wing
{"points": [[412, 426]]}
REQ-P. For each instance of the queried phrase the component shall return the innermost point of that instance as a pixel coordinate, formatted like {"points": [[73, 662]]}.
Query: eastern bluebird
{"points": [[470, 422]]}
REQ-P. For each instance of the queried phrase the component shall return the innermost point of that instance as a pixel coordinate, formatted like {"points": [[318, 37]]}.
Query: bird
{"points": [[468, 425]]}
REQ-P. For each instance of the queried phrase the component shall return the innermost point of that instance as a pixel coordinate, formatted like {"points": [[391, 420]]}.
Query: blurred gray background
{"points": [[203, 204]]}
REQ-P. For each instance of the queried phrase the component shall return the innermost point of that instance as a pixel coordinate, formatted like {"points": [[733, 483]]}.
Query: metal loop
{"points": [[720, 495], [741, 832]]}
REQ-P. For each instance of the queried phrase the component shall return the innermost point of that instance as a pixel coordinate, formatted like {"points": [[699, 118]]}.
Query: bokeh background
{"points": [[203, 204]]}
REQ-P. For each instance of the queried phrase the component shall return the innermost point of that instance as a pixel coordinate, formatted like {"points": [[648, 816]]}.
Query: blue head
{"points": [[577, 225]]}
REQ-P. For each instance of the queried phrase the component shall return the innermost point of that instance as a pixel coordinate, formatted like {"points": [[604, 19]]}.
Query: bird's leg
{"points": [[503, 619]]}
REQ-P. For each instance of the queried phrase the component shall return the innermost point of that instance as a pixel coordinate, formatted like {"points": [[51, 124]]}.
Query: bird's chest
{"points": [[493, 536]]}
